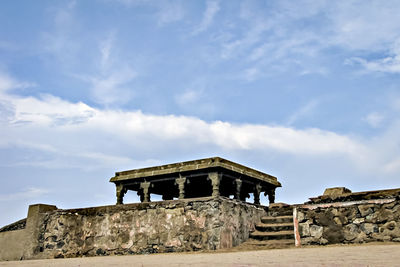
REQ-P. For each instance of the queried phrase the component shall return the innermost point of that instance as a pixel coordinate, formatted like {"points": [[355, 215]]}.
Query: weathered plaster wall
{"points": [[350, 223], [177, 225], [12, 244]]}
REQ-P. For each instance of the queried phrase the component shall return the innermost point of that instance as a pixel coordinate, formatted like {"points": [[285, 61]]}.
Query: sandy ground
{"points": [[342, 255]]}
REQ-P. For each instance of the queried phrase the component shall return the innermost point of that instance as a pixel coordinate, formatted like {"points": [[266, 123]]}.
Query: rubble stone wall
{"points": [[165, 226], [349, 223]]}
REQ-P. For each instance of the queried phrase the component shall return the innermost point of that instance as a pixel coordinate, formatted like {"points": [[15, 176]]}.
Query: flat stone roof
{"points": [[193, 166]]}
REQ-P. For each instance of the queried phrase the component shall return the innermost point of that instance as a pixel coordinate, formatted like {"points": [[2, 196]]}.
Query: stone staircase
{"points": [[276, 230]]}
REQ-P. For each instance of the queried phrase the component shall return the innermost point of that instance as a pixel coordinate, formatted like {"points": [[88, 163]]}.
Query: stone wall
{"points": [[18, 225], [165, 226], [12, 244], [347, 222]]}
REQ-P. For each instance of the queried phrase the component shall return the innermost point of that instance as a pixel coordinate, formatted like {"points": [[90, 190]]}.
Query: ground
{"points": [[377, 254]]}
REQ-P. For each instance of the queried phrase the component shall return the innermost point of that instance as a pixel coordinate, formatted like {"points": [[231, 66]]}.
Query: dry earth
{"points": [[342, 255]]}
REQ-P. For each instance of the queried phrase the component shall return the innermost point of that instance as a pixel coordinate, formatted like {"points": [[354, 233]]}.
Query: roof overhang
{"points": [[182, 168]]}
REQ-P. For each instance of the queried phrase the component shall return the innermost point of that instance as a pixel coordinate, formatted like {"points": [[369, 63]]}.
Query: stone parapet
{"points": [[165, 226]]}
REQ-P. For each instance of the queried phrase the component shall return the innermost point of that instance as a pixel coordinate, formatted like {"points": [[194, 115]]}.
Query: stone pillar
{"points": [[257, 191], [121, 190], [34, 222], [215, 180], [181, 186], [238, 183], [146, 193], [271, 195]]}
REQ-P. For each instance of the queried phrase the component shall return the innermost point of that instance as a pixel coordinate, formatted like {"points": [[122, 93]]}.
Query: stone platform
{"points": [[167, 226]]}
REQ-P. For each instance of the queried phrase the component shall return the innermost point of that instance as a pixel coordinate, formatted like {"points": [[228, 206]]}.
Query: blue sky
{"points": [[308, 91]]}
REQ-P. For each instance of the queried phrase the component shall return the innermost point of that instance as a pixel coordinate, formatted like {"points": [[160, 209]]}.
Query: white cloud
{"points": [[304, 111], [7, 83], [188, 97], [81, 136], [389, 64], [208, 16], [289, 35], [112, 88], [29, 193], [374, 119], [111, 82], [62, 40], [105, 50], [169, 12]]}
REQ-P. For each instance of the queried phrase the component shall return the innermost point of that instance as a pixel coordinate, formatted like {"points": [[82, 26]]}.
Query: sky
{"points": [[307, 91]]}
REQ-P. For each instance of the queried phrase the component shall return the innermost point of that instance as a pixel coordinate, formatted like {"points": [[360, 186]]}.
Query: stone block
{"points": [[358, 220], [304, 229], [369, 228], [351, 231], [337, 220], [336, 191], [316, 231], [382, 215], [300, 216], [365, 210], [323, 241], [333, 233], [361, 238]]}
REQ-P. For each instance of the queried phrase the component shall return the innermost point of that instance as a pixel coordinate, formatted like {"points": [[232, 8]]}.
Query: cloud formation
{"points": [[65, 129], [212, 8]]}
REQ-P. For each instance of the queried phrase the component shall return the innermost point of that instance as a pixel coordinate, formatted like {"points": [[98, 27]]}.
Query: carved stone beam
{"points": [[146, 193], [257, 191], [238, 183], [120, 192], [215, 181], [181, 186]]}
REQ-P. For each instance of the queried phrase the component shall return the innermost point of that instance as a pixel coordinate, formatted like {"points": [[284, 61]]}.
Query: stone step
{"points": [[277, 219], [281, 243], [270, 227], [279, 209], [272, 235], [280, 212]]}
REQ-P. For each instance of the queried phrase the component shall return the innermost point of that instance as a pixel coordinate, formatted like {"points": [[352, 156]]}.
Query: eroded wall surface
{"points": [[350, 223], [12, 244], [167, 226]]}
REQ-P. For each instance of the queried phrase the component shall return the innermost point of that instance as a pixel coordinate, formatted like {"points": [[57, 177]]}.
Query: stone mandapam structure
{"points": [[198, 178], [196, 214]]}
